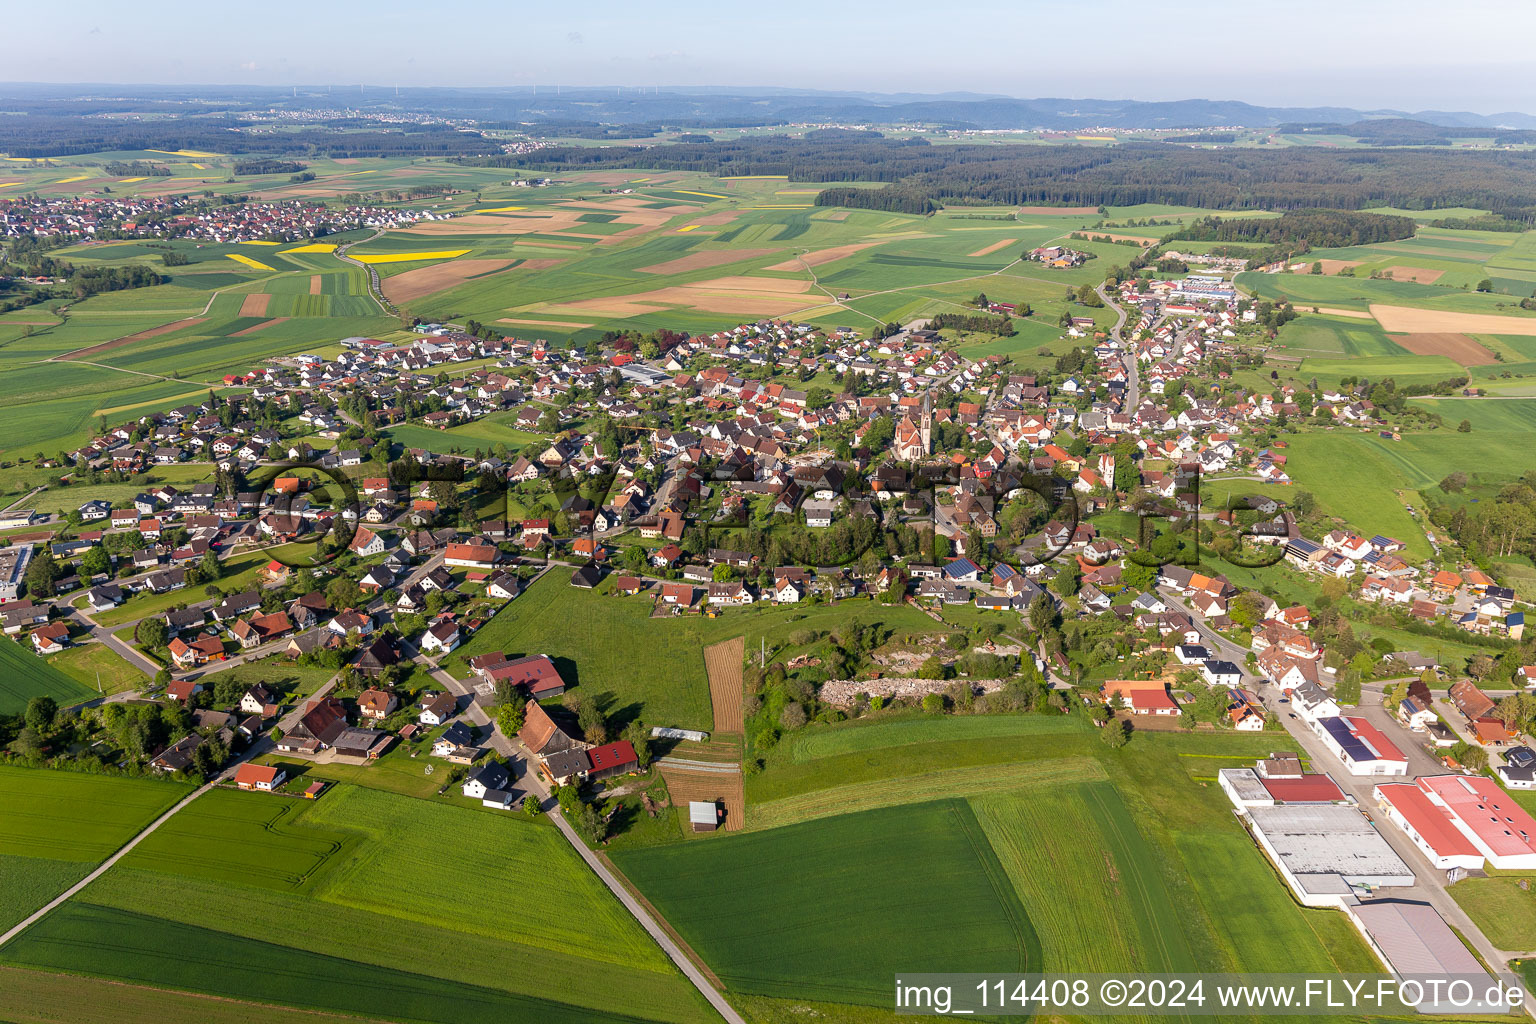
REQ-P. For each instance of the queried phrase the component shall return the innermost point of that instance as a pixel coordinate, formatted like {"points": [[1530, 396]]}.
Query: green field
{"points": [[757, 906], [90, 664], [611, 645], [23, 675], [1505, 912], [56, 826], [1121, 862], [353, 904]]}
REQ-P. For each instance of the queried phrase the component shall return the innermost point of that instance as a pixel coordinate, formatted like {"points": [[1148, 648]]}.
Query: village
{"points": [[57, 220], [775, 464]]}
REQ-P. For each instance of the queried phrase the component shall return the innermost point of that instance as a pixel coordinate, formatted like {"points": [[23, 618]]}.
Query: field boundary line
{"points": [[101, 868]]}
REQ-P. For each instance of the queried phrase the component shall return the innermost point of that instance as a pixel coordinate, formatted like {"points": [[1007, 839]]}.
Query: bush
{"points": [[793, 716]]}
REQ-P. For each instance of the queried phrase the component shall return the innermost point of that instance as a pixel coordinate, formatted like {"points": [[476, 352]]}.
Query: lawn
{"points": [[23, 675], [367, 903], [1505, 912], [395, 772], [240, 572], [832, 909], [89, 664]]}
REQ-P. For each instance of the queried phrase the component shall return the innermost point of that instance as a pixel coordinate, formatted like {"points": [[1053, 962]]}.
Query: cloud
{"points": [[95, 31], [668, 55], [573, 37]]}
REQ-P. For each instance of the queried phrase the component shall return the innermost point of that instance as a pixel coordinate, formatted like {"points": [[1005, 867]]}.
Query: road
{"points": [[375, 289], [529, 781], [1430, 887], [1132, 368]]}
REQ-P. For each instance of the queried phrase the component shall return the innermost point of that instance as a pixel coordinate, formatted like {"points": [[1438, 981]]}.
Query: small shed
{"points": [[703, 815]]}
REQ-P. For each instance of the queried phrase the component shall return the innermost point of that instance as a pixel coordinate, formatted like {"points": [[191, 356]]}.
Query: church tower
{"points": [[925, 427]]}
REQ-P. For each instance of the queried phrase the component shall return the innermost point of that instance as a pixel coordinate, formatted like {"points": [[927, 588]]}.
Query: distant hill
{"points": [[727, 107]]}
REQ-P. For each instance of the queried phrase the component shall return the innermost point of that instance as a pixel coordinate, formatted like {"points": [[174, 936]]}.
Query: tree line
{"points": [[1322, 229], [1122, 175]]}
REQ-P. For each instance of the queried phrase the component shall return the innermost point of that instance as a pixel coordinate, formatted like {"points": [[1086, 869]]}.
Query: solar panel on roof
{"points": [[1352, 746]]}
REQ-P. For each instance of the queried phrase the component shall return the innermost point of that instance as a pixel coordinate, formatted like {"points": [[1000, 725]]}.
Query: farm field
{"points": [[38, 997], [56, 826], [650, 667], [785, 937], [1130, 862], [23, 675], [430, 956]]}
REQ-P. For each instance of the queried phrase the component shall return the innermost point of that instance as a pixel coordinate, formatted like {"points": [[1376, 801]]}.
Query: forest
{"points": [[895, 199], [1321, 229], [1122, 175], [268, 166]]}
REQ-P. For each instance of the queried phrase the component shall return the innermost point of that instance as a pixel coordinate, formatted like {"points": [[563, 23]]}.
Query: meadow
{"points": [[318, 905], [647, 667], [23, 675]]}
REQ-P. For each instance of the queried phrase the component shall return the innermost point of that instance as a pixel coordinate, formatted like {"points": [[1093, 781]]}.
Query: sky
{"points": [[1402, 54]]}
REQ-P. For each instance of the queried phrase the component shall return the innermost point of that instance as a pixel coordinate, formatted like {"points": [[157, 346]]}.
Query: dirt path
{"points": [[104, 865], [153, 332], [723, 663]]}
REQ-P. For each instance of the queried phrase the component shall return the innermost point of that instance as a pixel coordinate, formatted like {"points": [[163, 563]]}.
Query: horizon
{"points": [[608, 48], [341, 90]]}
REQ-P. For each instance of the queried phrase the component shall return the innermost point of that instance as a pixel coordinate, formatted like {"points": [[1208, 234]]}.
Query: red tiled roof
{"points": [[1307, 789], [612, 755]]}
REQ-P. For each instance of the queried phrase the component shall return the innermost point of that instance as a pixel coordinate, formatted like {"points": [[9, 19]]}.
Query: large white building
{"points": [[1360, 746], [1462, 820], [1324, 851]]}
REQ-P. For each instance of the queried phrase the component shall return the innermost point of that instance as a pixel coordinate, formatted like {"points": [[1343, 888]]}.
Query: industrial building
{"points": [[1362, 747], [1327, 853], [1459, 821]]}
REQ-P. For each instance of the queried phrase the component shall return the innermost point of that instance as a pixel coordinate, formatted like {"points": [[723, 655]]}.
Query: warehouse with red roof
{"points": [[1410, 809]]}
